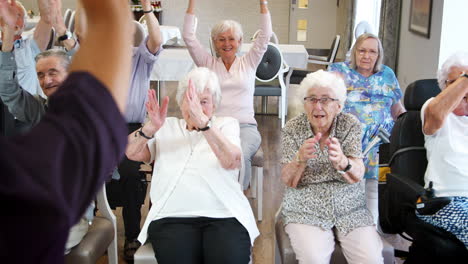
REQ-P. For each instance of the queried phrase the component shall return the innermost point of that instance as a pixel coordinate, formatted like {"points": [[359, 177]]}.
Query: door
{"points": [[312, 23]]}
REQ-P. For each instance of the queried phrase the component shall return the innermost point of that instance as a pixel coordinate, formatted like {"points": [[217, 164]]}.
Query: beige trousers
{"points": [[314, 245]]}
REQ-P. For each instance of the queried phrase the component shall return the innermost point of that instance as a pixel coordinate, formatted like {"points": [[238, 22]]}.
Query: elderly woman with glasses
{"points": [[198, 214], [374, 98], [445, 128], [236, 73], [322, 163]]}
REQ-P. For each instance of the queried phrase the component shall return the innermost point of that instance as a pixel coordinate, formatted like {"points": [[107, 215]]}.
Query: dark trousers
{"points": [[199, 240], [130, 180]]}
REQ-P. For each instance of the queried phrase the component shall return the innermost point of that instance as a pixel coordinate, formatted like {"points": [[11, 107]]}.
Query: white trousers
{"points": [[314, 245]]}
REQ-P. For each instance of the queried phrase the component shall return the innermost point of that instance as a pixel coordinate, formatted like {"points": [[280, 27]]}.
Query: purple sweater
{"points": [[50, 175]]}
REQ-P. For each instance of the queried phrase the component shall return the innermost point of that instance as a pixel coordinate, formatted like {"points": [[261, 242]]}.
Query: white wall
{"points": [[418, 56], [454, 36], [244, 11]]}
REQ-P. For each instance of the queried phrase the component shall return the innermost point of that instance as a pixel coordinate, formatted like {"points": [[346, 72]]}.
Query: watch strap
{"points": [[208, 126], [346, 169], [65, 36], [140, 132]]}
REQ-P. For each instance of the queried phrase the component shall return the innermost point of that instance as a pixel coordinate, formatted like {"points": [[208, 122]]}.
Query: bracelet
{"points": [[264, 2], [149, 11], [298, 159], [140, 132]]}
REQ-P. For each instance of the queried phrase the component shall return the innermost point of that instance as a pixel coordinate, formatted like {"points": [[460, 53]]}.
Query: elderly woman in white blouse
{"points": [[236, 73], [199, 213]]}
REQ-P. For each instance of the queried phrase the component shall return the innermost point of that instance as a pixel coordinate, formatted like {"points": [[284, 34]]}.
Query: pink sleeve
{"points": [[200, 55], [260, 44]]}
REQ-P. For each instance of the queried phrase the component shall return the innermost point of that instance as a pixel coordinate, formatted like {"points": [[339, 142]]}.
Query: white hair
{"points": [[457, 59], [328, 80], [226, 25], [202, 78]]}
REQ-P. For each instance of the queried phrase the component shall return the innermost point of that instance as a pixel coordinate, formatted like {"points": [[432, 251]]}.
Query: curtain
{"points": [[389, 31]]}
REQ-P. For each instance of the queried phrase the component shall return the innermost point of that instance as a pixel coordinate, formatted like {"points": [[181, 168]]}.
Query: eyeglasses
{"points": [[372, 53], [323, 100]]}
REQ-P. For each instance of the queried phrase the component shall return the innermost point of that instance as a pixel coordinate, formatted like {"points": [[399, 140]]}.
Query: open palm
{"points": [[8, 12], [157, 114]]}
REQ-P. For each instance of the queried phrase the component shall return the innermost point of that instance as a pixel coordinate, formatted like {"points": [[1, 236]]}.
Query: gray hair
{"points": [[202, 78], [329, 80], [62, 55], [25, 17], [226, 25], [378, 62], [457, 59]]}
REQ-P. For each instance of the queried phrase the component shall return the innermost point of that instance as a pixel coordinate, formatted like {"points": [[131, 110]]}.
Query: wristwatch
{"points": [[464, 74], [208, 126], [67, 35], [346, 169]]}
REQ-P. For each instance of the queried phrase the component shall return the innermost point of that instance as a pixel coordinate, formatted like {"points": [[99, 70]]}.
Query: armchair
{"points": [[405, 183], [101, 236]]}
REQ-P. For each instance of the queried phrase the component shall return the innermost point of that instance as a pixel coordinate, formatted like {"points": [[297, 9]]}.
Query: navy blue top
{"points": [[49, 176]]}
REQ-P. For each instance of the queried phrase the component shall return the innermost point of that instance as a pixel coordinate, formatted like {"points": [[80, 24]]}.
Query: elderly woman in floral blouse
{"points": [[323, 168]]}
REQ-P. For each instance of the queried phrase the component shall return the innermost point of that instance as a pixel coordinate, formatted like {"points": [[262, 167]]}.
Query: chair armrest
{"points": [[321, 58], [398, 201]]}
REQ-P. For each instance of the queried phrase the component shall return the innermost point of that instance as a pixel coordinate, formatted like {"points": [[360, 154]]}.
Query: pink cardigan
{"points": [[237, 84]]}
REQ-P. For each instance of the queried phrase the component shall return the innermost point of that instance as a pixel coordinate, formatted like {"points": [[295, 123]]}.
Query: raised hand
{"points": [[146, 4], [192, 110], [45, 10], [8, 14], [335, 154], [308, 150], [156, 114]]}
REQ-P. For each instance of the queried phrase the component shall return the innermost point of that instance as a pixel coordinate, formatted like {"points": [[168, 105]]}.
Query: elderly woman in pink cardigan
{"points": [[236, 74]]}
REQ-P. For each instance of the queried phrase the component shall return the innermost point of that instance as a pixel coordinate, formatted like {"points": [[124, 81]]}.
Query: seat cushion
{"points": [[271, 63], [94, 243], [145, 255]]}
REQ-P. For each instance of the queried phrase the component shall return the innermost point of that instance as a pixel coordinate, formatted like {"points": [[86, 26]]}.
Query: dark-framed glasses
{"points": [[323, 100]]}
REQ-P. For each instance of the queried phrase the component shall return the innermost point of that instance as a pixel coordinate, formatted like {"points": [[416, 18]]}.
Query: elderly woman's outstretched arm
{"points": [[443, 104], [137, 148]]}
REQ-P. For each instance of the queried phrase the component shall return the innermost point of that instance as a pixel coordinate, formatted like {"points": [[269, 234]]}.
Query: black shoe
{"points": [[130, 247]]}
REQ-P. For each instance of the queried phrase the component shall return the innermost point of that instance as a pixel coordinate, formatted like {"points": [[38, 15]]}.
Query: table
{"points": [[296, 56], [172, 65]]}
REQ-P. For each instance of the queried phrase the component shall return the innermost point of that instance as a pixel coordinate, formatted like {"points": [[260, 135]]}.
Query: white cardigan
{"points": [[174, 149]]}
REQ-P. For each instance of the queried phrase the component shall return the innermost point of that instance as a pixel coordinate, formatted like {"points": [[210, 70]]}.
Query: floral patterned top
{"points": [[322, 197], [370, 99]]}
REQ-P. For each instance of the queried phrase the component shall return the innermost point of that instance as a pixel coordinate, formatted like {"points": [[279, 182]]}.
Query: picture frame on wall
{"points": [[420, 17]]}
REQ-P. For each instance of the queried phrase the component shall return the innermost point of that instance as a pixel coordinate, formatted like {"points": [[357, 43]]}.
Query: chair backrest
{"points": [[52, 39], [271, 65], [408, 160], [273, 37], [334, 49], [71, 22], [139, 33], [408, 156], [67, 16]]}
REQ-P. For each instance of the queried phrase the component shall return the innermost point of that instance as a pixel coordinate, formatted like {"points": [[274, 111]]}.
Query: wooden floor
{"points": [[269, 127]]}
